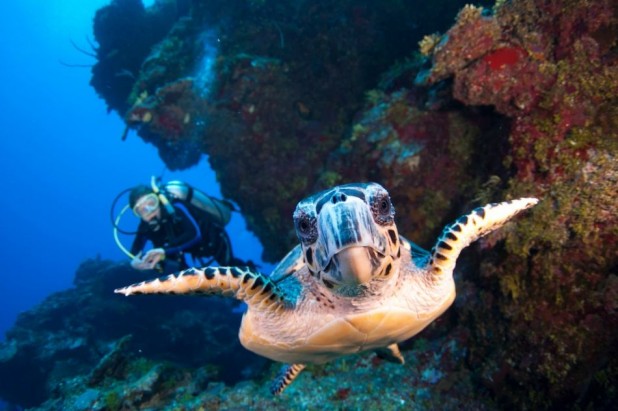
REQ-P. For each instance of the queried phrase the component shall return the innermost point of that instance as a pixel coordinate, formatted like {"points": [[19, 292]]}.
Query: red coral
{"points": [[504, 56], [468, 40], [167, 113], [508, 78]]}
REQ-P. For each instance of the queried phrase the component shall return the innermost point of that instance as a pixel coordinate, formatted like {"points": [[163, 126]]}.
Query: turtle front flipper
{"points": [[286, 375], [243, 284], [469, 228]]}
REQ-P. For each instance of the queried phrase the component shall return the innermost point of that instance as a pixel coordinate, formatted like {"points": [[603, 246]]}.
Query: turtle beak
{"points": [[354, 265]]}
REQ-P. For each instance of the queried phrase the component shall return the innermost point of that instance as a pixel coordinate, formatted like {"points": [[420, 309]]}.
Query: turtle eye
{"points": [[306, 227], [385, 206], [382, 209]]}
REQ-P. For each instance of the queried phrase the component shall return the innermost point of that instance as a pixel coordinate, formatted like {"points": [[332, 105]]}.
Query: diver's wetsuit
{"points": [[187, 231]]}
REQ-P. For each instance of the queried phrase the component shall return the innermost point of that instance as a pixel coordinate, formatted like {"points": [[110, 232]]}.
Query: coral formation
{"points": [[77, 340], [552, 69], [412, 151], [165, 120], [287, 78], [517, 100], [89, 361], [123, 23]]}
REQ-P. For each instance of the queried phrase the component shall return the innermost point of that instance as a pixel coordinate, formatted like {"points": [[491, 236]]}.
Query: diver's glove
{"points": [[137, 262], [150, 260], [153, 257]]}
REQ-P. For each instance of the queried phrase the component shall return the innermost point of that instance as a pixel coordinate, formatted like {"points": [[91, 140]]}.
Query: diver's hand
{"points": [[149, 261], [138, 262], [152, 258]]}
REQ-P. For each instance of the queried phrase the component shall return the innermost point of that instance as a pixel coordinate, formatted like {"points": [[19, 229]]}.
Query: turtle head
{"points": [[348, 235]]}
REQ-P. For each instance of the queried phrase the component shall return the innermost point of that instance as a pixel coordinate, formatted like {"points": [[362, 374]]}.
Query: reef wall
{"points": [[518, 99], [86, 342], [266, 89], [549, 296]]}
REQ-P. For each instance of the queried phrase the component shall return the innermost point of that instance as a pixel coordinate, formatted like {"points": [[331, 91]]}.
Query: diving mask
{"points": [[146, 205]]}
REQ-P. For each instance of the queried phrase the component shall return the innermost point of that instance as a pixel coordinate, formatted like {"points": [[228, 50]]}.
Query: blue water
{"points": [[62, 158]]}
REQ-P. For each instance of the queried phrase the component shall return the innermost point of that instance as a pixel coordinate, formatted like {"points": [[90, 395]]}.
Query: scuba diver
{"points": [[179, 221]]}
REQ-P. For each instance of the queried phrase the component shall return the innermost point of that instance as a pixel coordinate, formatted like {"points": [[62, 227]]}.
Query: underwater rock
{"points": [[426, 157], [553, 71], [165, 120], [112, 364], [168, 112], [80, 338], [125, 31], [519, 100], [275, 85], [433, 378]]}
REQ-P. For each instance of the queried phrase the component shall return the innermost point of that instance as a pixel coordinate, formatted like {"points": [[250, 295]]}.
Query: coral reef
{"points": [[289, 97], [275, 86], [164, 119], [84, 349], [80, 338], [433, 380], [551, 67], [426, 157], [125, 31]]}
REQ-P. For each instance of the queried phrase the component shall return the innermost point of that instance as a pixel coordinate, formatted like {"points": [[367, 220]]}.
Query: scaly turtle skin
{"points": [[352, 285]]}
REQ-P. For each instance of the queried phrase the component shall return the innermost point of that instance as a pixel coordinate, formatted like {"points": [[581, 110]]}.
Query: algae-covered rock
{"points": [[274, 87], [510, 101], [82, 337], [554, 74]]}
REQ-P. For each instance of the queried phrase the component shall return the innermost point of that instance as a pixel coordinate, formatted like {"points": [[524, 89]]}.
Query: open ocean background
{"points": [[62, 158]]}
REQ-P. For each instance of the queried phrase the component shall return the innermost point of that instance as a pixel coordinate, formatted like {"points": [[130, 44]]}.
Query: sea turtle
{"points": [[353, 284]]}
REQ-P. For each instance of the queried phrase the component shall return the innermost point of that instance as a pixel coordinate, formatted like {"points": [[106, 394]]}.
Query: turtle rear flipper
{"points": [[390, 354], [243, 284], [286, 375]]}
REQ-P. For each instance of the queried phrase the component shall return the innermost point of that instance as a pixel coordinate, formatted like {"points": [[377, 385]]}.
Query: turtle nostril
{"points": [[338, 198]]}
